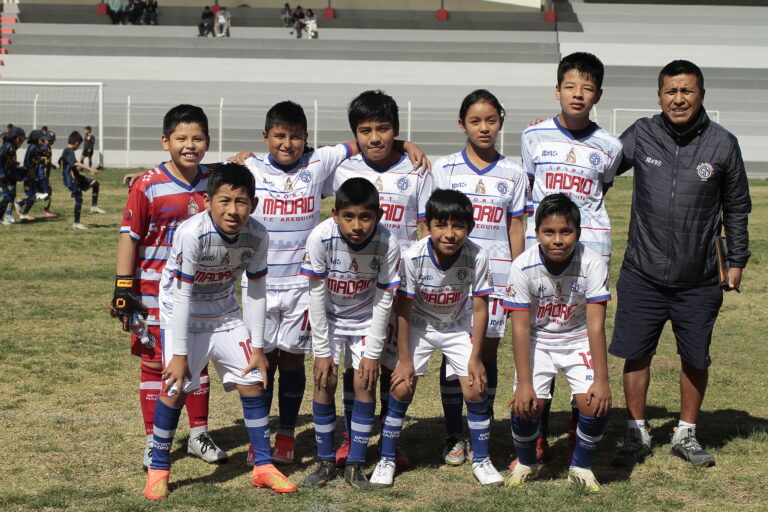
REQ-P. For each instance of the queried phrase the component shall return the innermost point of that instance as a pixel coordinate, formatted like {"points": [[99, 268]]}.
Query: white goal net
{"points": [[61, 106]]}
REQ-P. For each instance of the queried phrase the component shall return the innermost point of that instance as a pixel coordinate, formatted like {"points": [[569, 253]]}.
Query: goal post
{"points": [[62, 106]]}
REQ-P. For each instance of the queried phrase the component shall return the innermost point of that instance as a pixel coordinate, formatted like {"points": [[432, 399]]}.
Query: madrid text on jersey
{"points": [[349, 286], [557, 180]]}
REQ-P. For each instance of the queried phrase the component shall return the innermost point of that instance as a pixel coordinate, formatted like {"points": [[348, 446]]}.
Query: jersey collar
{"points": [[180, 183], [230, 239], [284, 168], [434, 260], [477, 170], [581, 134], [382, 169]]}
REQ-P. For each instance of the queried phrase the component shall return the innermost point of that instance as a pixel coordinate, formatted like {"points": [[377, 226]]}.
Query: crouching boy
{"points": [[557, 292], [443, 305], [200, 320], [353, 261]]}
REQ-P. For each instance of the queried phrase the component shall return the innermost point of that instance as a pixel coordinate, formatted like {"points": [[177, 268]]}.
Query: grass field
{"points": [[72, 435]]}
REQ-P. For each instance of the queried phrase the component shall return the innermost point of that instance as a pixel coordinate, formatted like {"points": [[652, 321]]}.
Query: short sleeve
{"points": [[518, 195], [330, 158], [610, 172], [136, 213], [517, 296], [187, 255], [314, 264], [626, 161], [526, 156], [257, 266], [597, 281], [440, 177], [329, 187], [388, 272], [407, 278], [483, 280], [427, 186]]}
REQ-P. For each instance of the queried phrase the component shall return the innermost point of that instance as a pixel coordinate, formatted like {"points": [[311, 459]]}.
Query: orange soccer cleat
{"points": [[157, 484], [268, 476]]}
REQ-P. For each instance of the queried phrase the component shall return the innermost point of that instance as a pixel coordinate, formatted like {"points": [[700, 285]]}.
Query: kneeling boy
{"points": [[353, 260], [201, 320], [443, 305], [557, 292]]}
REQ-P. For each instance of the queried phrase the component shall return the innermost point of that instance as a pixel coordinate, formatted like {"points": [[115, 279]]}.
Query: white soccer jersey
{"points": [[580, 165], [213, 262], [352, 273], [403, 193], [289, 207], [498, 192], [557, 302], [443, 294]]}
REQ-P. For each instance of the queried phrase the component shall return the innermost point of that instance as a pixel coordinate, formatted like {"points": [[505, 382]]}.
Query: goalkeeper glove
{"points": [[125, 303]]}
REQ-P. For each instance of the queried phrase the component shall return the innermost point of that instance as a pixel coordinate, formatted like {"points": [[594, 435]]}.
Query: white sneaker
{"points": [[77, 225], [384, 474], [454, 451], [26, 216], [96, 209], [41, 196], [7, 221], [203, 447], [485, 473], [148, 451], [522, 474], [583, 477]]}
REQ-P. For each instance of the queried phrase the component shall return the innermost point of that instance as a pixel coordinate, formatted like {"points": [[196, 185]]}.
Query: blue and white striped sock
{"points": [[256, 416], [166, 421], [362, 423], [524, 434], [325, 428], [589, 433], [479, 428], [393, 425]]}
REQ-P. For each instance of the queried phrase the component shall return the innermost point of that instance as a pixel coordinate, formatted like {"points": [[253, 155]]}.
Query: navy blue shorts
{"points": [[643, 308]]}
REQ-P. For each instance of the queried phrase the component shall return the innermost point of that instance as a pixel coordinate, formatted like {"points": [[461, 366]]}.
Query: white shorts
{"points": [[229, 350], [456, 346], [388, 358], [497, 318], [287, 323], [575, 362]]}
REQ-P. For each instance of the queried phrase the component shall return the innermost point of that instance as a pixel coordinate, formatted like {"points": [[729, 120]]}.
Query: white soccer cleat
{"points": [[8, 220], [77, 225], [148, 451], [583, 477], [41, 196], [521, 474], [26, 216], [203, 447], [485, 473], [96, 209], [384, 474]]}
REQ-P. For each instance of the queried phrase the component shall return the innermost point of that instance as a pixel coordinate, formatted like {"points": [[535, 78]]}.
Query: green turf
{"points": [[72, 437]]}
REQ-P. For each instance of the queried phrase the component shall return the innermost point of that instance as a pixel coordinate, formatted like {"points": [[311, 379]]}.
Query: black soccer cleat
{"points": [[354, 475], [323, 472]]}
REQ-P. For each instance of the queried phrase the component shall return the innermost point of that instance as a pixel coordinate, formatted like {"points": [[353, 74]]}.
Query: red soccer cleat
{"points": [[269, 477], [157, 484]]}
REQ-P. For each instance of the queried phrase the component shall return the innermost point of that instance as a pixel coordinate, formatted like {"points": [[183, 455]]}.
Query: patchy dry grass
{"points": [[72, 434]]}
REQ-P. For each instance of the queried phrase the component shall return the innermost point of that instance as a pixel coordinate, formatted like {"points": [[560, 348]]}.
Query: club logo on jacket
{"points": [[705, 171]]}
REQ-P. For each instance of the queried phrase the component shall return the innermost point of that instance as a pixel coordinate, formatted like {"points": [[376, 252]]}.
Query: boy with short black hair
{"points": [[443, 305], [34, 171], [88, 145], [10, 171], [557, 293], [403, 193], [74, 181], [201, 321], [352, 261], [159, 201]]}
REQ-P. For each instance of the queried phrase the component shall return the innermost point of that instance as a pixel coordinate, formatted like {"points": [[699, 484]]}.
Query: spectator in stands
{"points": [[310, 24], [115, 11], [134, 11], [206, 23], [286, 13], [223, 22], [150, 12], [298, 21]]}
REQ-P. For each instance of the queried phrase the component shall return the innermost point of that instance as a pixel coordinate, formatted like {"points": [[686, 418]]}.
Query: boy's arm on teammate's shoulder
{"points": [[599, 393], [241, 157], [415, 155]]}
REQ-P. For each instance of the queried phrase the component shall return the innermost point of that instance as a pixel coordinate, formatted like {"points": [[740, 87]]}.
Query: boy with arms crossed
{"points": [[572, 155], [557, 292], [403, 192], [443, 305], [159, 201], [201, 321], [353, 261]]}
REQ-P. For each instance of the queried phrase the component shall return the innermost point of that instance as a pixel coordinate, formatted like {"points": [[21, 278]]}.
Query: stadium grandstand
{"points": [[406, 48]]}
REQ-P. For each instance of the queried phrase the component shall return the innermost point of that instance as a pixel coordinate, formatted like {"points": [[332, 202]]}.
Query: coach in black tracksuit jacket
{"points": [[689, 180]]}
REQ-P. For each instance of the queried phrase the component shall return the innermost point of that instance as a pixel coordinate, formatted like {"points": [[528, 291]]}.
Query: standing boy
{"points": [[557, 292], [403, 192], [9, 170], [88, 145], [572, 155], [352, 260], [34, 174], [443, 305], [75, 182], [159, 201], [201, 321]]}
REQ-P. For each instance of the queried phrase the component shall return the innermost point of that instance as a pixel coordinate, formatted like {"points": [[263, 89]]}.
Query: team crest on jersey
{"points": [[192, 207], [571, 157], [461, 274], [128, 215], [288, 185], [179, 259], [575, 286], [353, 265], [705, 171], [375, 264], [510, 290], [541, 290], [502, 187], [403, 183], [489, 277], [225, 259], [558, 289], [306, 257], [245, 256], [305, 176], [594, 159], [379, 184], [480, 188]]}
